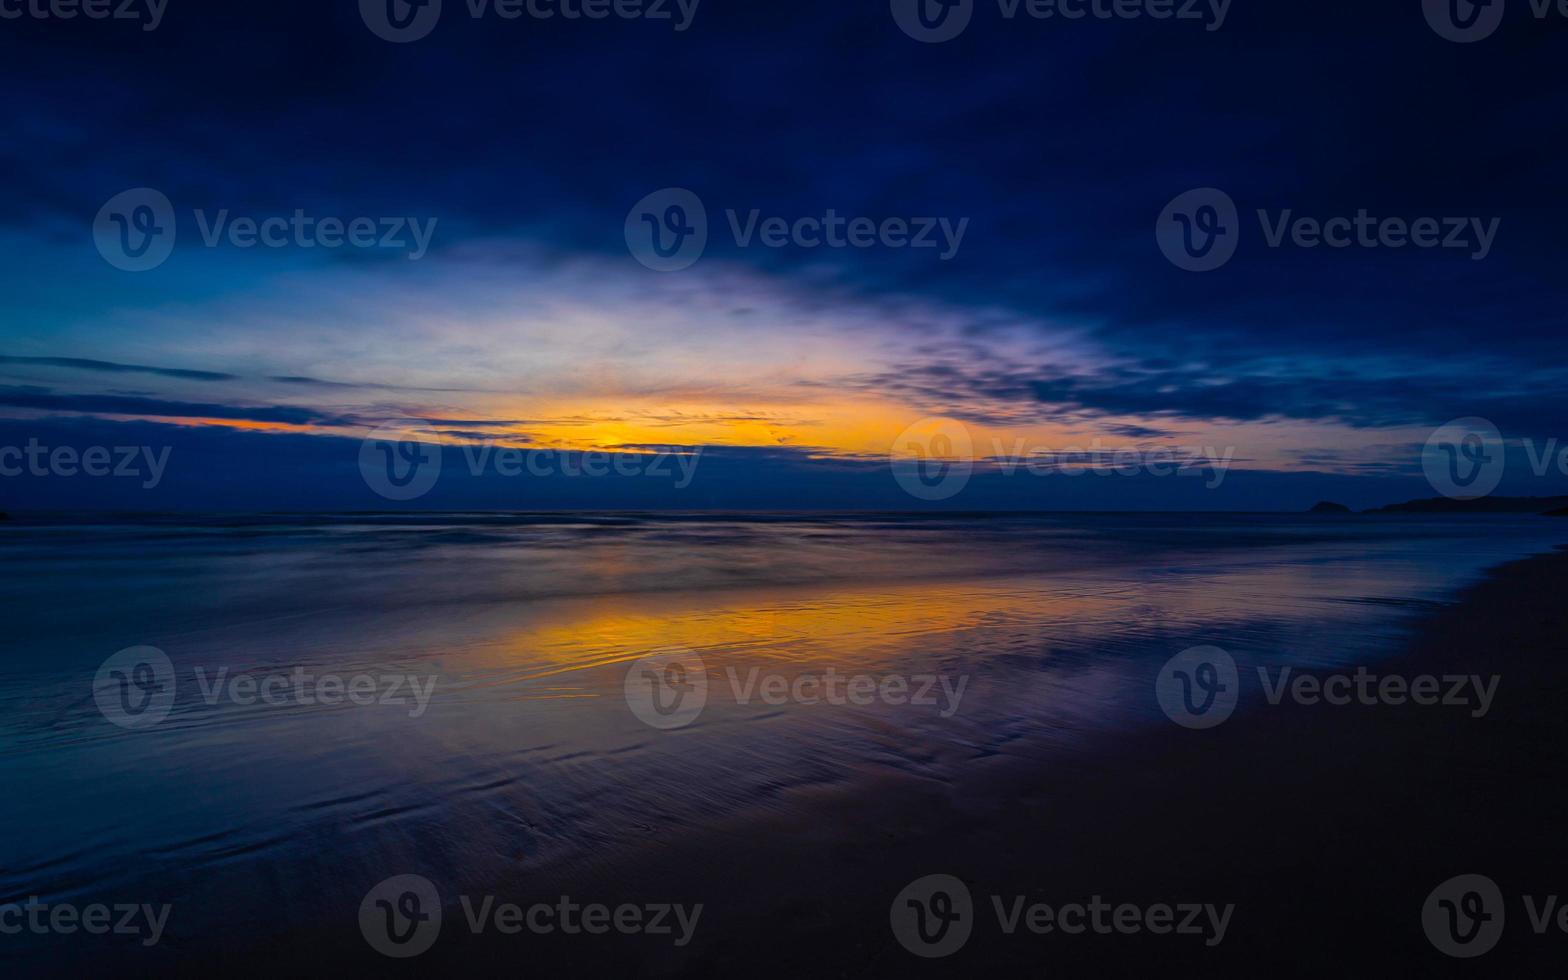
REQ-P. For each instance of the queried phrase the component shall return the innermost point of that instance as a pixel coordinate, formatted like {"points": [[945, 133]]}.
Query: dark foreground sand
{"points": [[1326, 826]]}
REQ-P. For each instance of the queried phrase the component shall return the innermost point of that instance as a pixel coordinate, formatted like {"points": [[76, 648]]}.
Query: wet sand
{"points": [[1327, 826]]}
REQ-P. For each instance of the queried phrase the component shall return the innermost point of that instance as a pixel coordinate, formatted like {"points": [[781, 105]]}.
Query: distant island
{"points": [[1545, 506], [1553, 506], [1329, 507]]}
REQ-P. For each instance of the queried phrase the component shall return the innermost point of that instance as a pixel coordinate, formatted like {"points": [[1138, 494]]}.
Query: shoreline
{"points": [[1325, 826], [1317, 822]]}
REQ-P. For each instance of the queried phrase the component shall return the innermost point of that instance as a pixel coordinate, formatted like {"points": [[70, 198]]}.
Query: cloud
{"points": [[43, 400], [1368, 394], [189, 374], [215, 469], [85, 364], [1059, 307], [367, 385]]}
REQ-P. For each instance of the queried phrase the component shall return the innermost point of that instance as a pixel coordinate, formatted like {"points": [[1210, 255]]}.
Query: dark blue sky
{"points": [[526, 142]]}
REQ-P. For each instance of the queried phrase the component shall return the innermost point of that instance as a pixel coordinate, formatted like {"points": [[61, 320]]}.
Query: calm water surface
{"points": [[527, 756]]}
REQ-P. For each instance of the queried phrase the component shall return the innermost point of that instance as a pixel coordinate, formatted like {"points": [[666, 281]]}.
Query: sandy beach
{"points": [[1323, 828], [1326, 826]]}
